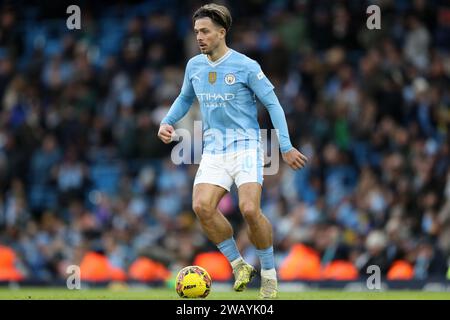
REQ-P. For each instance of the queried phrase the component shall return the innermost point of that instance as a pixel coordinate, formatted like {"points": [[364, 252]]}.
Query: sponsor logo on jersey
{"points": [[214, 99]]}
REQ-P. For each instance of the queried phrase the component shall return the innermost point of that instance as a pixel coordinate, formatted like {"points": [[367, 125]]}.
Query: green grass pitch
{"points": [[168, 294]]}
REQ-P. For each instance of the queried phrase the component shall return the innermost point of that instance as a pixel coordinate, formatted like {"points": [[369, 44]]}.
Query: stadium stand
{"points": [[83, 175]]}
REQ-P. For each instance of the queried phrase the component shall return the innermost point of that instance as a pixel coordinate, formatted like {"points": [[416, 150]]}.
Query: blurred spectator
{"points": [[376, 254], [430, 262]]}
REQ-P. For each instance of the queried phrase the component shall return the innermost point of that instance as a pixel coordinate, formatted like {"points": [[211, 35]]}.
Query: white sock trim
{"points": [[269, 274], [235, 262]]}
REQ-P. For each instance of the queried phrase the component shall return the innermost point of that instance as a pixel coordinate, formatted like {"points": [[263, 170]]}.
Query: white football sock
{"points": [[237, 261], [269, 274]]}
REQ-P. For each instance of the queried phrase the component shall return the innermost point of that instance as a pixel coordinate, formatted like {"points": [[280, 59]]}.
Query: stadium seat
{"points": [[144, 269], [400, 270], [339, 270], [216, 264], [105, 177], [302, 263], [95, 267], [8, 271], [117, 274]]}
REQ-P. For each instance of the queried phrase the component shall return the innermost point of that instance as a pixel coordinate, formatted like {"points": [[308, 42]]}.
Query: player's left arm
{"points": [[263, 89], [294, 158]]}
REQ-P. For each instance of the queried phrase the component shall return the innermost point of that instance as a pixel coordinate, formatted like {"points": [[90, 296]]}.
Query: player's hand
{"points": [[295, 159], [165, 133]]}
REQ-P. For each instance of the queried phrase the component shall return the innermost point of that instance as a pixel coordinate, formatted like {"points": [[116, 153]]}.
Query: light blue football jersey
{"points": [[226, 91]]}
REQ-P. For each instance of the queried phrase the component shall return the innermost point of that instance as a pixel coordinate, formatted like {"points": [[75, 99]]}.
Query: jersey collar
{"points": [[219, 61]]}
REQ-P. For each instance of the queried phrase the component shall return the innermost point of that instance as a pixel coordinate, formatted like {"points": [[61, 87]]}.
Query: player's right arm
{"points": [[179, 108]]}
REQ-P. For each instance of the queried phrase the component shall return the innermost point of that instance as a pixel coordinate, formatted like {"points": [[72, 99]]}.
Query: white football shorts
{"points": [[239, 167]]}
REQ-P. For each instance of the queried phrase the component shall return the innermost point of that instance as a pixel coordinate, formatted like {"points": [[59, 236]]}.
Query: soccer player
{"points": [[225, 83]]}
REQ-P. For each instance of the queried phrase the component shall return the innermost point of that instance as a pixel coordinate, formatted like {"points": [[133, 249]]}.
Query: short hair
{"points": [[220, 15]]}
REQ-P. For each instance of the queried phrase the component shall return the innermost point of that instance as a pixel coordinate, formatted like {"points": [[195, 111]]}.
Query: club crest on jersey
{"points": [[230, 79], [212, 77]]}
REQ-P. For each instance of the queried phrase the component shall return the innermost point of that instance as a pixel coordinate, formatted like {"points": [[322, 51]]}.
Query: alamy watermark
{"points": [[74, 279], [374, 19], [74, 20], [374, 280]]}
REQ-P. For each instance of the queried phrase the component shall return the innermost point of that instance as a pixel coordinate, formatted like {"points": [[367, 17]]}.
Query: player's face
{"points": [[209, 35]]}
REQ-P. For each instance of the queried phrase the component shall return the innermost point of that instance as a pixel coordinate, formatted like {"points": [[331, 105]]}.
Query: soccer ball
{"points": [[193, 282]]}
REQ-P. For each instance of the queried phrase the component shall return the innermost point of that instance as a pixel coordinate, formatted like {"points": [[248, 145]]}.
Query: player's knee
{"points": [[203, 209], [250, 211]]}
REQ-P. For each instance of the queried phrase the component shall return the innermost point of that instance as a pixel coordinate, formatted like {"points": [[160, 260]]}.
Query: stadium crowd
{"points": [[82, 169]]}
